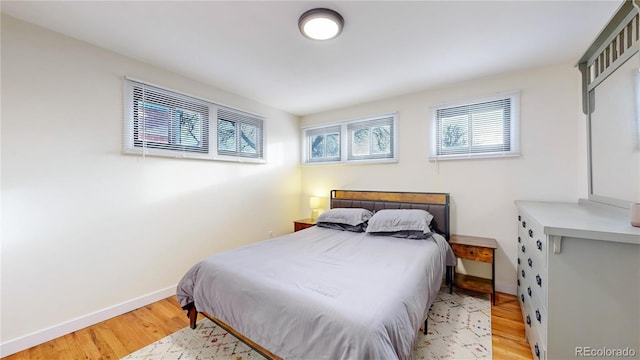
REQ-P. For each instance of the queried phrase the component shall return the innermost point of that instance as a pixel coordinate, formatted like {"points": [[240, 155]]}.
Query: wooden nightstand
{"points": [[476, 249], [303, 224]]}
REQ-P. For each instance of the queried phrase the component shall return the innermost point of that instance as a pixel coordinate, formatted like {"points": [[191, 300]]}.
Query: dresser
{"points": [[578, 279]]}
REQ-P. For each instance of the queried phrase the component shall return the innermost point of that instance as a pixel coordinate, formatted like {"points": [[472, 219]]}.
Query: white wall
{"points": [[552, 165], [86, 228]]}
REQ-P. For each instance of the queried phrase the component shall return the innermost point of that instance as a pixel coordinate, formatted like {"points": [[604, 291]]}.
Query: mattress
{"points": [[322, 293]]}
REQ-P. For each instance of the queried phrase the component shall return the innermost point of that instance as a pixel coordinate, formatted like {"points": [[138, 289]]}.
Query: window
{"points": [[239, 134], [324, 144], [162, 120], [372, 139], [166, 123], [485, 128]]}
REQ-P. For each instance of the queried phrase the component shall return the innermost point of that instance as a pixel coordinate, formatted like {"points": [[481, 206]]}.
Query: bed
{"points": [[326, 292]]}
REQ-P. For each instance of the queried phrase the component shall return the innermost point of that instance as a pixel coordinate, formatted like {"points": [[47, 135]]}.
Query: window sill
{"points": [[473, 156], [194, 156], [352, 162]]}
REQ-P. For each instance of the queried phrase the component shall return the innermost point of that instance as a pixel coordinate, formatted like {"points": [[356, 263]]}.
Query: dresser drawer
{"points": [[536, 277], [528, 318], [534, 332], [522, 306], [521, 286], [538, 349], [534, 292], [533, 238], [475, 253], [539, 316], [532, 265], [523, 280]]}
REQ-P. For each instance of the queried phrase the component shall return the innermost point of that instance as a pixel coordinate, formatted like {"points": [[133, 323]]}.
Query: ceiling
{"points": [[387, 48]]}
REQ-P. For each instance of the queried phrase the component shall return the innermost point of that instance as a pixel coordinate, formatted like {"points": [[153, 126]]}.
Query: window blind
{"points": [[485, 128], [351, 141], [239, 133], [324, 143], [169, 121], [371, 139]]}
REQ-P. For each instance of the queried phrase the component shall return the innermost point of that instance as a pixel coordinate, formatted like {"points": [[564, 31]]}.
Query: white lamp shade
{"points": [[314, 202]]}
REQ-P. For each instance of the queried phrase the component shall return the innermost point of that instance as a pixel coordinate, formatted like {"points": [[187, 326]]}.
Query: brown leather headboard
{"points": [[435, 203]]}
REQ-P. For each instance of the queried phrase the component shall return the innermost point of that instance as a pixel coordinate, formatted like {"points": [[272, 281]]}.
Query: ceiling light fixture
{"points": [[320, 24]]}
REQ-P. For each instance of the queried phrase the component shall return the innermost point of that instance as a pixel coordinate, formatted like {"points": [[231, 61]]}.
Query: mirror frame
{"points": [[592, 78]]}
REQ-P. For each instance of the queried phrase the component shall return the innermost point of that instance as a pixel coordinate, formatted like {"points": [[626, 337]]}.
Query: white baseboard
{"points": [[13, 346]]}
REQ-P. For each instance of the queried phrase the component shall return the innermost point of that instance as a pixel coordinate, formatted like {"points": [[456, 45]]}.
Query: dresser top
{"points": [[583, 220]]}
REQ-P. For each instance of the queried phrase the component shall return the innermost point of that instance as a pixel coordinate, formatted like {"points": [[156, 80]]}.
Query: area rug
{"points": [[459, 327]]}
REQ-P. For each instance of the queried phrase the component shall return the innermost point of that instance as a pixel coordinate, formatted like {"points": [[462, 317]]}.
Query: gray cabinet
{"points": [[578, 279]]}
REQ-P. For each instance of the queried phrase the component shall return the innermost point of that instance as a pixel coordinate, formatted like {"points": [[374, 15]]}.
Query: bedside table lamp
{"points": [[314, 204]]}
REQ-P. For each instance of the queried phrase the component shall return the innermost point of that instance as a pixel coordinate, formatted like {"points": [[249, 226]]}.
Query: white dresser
{"points": [[579, 280]]}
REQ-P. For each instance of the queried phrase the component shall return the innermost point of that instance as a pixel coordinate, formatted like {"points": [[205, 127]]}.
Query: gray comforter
{"points": [[323, 294]]}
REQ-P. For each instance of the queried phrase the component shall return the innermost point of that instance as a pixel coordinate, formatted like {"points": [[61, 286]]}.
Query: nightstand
{"points": [[476, 249], [303, 224]]}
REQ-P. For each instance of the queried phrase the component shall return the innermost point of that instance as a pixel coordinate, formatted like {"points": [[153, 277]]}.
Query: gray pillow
{"points": [[400, 221], [343, 227], [404, 234], [347, 216]]}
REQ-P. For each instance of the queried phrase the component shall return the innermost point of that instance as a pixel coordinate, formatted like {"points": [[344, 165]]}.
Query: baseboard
{"points": [[42, 336]]}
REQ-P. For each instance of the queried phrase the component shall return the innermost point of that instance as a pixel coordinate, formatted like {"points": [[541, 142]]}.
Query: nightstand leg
{"points": [[493, 276]]}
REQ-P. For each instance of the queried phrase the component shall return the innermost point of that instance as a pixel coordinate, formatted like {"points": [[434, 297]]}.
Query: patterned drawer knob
{"points": [[523, 249], [530, 262], [537, 350], [522, 272], [522, 297], [528, 320], [519, 239], [538, 316], [519, 217], [539, 245], [530, 233], [539, 280], [518, 261], [518, 282], [529, 291], [524, 224]]}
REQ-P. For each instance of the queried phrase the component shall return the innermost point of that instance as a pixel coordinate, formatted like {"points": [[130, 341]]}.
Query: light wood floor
{"points": [[122, 335]]}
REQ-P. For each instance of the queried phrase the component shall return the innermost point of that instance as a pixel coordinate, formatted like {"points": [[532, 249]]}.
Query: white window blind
{"points": [[167, 123], [371, 139], [239, 134], [324, 144], [484, 128]]}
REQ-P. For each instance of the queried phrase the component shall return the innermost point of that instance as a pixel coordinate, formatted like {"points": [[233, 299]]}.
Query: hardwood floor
{"points": [[122, 335], [113, 338], [507, 329]]}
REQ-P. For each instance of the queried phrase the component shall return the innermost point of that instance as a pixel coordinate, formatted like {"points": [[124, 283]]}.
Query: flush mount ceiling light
{"points": [[320, 24]]}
